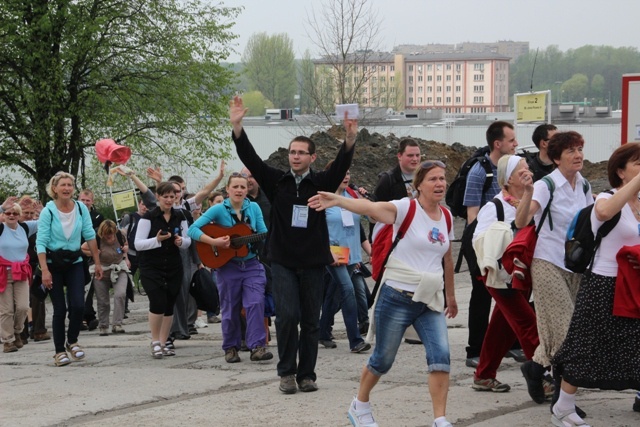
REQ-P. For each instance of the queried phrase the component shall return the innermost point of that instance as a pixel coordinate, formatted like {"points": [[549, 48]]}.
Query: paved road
{"points": [[120, 384]]}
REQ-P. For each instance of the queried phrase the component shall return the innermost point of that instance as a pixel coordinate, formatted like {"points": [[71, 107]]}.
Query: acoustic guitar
{"points": [[240, 235]]}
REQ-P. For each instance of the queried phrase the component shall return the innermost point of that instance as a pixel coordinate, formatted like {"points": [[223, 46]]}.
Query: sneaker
{"points": [[472, 362], [636, 404], [444, 423], [104, 332], [231, 355], [193, 330], [9, 347], [260, 353], [363, 346], [362, 418], [213, 319], [328, 343], [117, 329], [517, 355], [200, 323], [288, 384], [489, 384], [308, 385]]}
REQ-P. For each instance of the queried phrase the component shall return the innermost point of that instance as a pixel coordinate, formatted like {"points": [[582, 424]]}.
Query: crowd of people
{"points": [[569, 329]]}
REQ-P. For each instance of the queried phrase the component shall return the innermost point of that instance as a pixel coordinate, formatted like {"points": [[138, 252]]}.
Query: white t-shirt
{"points": [[488, 215], [625, 233], [566, 203], [68, 221], [424, 244]]}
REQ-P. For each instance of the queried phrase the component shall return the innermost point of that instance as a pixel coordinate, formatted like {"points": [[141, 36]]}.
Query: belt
{"points": [[402, 292]]}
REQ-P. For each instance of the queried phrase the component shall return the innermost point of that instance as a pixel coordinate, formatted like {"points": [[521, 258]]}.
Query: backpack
{"points": [[24, 226], [581, 245], [132, 229], [455, 193], [466, 242], [382, 245]]}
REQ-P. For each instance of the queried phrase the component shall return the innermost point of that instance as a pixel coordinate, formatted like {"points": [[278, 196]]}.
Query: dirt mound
{"points": [[376, 153]]}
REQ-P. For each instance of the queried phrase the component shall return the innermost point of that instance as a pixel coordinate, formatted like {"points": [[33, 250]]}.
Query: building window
{"points": [[478, 67], [410, 100], [448, 88], [448, 100], [365, 101], [364, 89], [478, 99], [438, 78], [439, 100], [419, 78], [478, 77], [419, 89], [458, 99], [478, 88], [383, 89], [438, 67], [391, 78], [383, 68], [410, 88], [410, 79], [420, 69], [410, 68], [458, 67], [392, 67], [382, 79], [448, 67], [373, 68], [429, 100], [448, 78], [439, 89], [392, 89], [429, 67], [429, 78], [458, 78], [458, 88], [419, 100], [429, 88]]}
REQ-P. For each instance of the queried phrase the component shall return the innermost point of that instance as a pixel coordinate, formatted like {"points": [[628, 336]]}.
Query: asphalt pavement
{"points": [[120, 384]]}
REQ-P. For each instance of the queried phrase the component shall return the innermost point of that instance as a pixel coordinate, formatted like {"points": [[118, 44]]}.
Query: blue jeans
{"points": [[298, 297], [340, 293], [73, 280], [359, 285], [394, 312]]}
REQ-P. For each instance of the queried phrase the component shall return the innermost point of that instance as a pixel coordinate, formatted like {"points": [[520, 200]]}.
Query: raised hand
{"points": [[155, 174], [237, 111]]}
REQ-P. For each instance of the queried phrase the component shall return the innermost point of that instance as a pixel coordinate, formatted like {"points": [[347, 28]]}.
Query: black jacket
{"points": [[390, 186], [294, 247]]}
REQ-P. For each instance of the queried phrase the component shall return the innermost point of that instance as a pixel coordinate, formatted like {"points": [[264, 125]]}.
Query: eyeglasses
{"points": [[12, 214], [243, 175], [433, 163], [298, 153]]}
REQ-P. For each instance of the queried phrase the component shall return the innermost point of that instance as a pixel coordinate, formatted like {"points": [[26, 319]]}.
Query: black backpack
{"points": [[455, 192], [581, 245], [132, 228], [466, 247]]}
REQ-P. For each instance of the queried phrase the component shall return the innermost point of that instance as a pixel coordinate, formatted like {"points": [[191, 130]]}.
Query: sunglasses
{"points": [[11, 214], [243, 175], [429, 164]]}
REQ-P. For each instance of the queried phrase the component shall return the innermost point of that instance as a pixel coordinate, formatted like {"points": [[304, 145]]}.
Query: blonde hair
{"points": [[107, 228], [17, 208], [55, 179]]}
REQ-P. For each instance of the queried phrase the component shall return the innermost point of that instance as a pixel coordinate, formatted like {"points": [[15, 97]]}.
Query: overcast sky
{"points": [[565, 23]]}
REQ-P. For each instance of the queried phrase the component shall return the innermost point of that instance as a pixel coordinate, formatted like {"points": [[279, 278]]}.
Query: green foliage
{"points": [[256, 103], [270, 67], [603, 66], [146, 73]]}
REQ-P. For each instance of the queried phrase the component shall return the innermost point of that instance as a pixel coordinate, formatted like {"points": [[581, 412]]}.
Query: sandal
{"points": [[168, 352], [77, 353], [156, 350], [61, 359], [565, 419]]}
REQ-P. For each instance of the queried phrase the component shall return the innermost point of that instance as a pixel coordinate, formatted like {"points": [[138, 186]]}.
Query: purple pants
{"points": [[241, 284]]}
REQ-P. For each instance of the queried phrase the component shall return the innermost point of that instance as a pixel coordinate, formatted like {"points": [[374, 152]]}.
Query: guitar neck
{"points": [[238, 241]]}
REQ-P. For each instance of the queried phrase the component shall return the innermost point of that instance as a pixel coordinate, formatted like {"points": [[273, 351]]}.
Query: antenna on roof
{"points": [[535, 59]]}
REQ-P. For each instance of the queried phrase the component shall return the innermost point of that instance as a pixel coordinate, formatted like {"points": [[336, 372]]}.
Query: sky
{"points": [[566, 23]]}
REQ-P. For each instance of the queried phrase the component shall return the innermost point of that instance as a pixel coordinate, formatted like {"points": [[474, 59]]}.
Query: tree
{"points": [[270, 67], [346, 34], [576, 87], [145, 73], [256, 103], [597, 87]]}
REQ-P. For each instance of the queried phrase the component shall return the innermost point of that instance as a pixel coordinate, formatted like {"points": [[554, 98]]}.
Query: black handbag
{"points": [[203, 290], [62, 259]]}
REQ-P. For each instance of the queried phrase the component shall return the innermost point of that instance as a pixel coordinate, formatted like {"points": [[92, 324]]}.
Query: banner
{"points": [[531, 107], [124, 200]]}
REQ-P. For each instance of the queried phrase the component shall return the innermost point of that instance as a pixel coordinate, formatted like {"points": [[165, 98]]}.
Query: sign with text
{"points": [[630, 108], [124, 200], [531, 107]]}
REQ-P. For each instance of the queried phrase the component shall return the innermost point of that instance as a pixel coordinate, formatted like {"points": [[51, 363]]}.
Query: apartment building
{"points": [[466, 82]]}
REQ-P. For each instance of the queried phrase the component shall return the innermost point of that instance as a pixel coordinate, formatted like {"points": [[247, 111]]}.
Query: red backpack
{"points": [[382, 245]]}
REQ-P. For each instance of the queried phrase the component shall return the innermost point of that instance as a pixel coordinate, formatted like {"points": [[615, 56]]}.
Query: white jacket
{"points": [[489, 247]]}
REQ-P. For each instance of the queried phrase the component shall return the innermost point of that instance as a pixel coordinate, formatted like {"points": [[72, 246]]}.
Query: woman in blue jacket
{"points": [[62, 224], [242, 280]]}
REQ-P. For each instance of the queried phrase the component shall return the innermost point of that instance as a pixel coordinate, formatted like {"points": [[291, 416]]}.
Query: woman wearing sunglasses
{"points": [[241, 281], [412, 289], [15, 272]]}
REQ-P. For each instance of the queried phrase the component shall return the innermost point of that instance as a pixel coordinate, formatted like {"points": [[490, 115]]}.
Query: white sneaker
{"points": [[363, 418], [200, 323], [442, 424]]}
